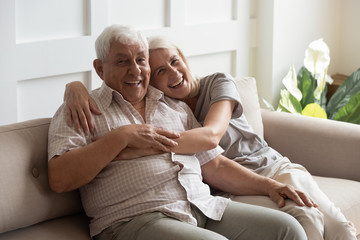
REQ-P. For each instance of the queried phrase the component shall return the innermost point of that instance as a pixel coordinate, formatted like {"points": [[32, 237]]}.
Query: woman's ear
{"points": [[98, 65]]}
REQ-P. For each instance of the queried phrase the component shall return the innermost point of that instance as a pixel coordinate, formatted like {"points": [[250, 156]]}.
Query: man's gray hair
{"points": [[117, 33]]}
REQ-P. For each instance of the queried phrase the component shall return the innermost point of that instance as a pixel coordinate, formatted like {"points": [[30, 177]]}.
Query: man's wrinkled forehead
{"points": [[135, 46], [122, 50]]}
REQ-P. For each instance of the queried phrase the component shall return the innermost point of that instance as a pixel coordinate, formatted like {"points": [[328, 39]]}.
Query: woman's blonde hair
{"points": [[161, 42]]}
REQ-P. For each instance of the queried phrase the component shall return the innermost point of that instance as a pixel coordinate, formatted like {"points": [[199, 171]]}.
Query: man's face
{"points": [[127, 70]]}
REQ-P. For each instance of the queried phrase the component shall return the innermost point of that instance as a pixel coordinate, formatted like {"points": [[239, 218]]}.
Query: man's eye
{"points": [[142, 60]]}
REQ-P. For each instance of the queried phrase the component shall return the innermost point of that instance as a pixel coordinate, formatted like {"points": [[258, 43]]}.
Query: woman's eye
{"points": [[160, 70], [174, 61]]}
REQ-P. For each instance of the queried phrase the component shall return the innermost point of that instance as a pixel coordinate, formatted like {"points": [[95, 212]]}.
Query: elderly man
{"points": [[159, 196]]}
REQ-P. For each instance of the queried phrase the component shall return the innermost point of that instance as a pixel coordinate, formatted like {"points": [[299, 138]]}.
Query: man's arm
{"points": [[229, 176], [78, 167]]}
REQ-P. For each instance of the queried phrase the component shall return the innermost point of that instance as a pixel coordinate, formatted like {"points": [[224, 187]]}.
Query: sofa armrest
{"points": [[325, 147]]}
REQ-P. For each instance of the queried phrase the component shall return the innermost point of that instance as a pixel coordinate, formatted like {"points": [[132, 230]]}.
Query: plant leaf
{"points": [[314, 110], [346, 90], [267, 104], [288, 103], [290, 82], [323, 98], [307, 85], [351, 111]]}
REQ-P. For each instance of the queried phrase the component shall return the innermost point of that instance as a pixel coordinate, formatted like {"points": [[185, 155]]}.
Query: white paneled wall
{"points": [[45, 44]]}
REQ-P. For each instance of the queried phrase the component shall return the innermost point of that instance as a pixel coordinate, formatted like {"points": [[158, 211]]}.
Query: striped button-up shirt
{"points": [[166, 182]]}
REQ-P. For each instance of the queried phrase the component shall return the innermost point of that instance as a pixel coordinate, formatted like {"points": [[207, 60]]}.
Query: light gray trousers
{"points": [[325, 222], [240, 221]]}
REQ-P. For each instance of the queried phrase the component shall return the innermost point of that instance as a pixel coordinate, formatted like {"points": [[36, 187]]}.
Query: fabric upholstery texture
{"points": [[249, 97], [24, 191]]}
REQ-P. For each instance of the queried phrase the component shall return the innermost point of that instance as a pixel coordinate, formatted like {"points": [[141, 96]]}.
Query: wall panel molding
{"points": [[47, 43]]}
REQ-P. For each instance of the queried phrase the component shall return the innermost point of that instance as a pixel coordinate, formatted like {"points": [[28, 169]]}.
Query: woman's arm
{"points": [[208, 136], [229, 176], [197, 139], [79, 107]]}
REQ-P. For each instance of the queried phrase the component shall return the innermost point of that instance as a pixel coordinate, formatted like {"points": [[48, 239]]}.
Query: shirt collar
{"points": [[107, 95]]}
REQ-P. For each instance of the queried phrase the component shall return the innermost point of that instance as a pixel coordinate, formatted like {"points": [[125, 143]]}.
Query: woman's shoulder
{"points": [[217, 79], [218, 76]]}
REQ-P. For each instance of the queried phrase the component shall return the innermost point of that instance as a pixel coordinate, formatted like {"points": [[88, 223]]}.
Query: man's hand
{"points": [[79, 106], [279, 192], [146, 136]]}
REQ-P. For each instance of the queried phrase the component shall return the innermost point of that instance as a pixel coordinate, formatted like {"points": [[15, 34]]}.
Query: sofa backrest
{"points": [[250, 101], [25, 196]]}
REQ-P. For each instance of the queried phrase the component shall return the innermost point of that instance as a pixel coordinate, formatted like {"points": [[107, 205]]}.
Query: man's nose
{"points": [[134, 69]]}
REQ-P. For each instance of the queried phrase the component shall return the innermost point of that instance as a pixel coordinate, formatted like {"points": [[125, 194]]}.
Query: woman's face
{"points": [[169, 73]]}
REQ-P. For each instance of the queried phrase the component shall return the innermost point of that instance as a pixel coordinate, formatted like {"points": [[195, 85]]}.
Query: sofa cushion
{"points": [[70, 227], [344, 194], [249, 98], [25, 196]]}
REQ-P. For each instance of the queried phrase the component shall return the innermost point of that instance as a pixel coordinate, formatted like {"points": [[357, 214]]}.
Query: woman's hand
{"points": [[79, 107], [279, 192]]}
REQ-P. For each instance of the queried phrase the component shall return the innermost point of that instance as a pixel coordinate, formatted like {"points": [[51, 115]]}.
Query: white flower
{"points": [[321, 81], [317, 57], [290, 82]]}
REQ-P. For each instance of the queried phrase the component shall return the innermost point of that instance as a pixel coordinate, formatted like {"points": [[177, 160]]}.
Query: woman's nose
{"points": [[174, 73]]}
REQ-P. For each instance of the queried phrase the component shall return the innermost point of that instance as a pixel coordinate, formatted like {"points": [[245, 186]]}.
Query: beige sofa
{"points": [[30, 210]]}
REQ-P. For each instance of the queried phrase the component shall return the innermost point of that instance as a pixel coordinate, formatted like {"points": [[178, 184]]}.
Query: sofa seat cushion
{"points": [[345, 194], [70, 227]]}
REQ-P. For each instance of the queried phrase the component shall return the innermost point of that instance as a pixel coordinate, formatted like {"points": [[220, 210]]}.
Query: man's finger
{"points": [[167, 141], [166, 133]]}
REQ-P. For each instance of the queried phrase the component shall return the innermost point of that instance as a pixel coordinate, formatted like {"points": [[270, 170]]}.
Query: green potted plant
{"points": [[305, 92]]}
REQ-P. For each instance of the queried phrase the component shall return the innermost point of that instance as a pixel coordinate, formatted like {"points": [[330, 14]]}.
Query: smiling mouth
{"points": [[134, 82], [176, 84]]}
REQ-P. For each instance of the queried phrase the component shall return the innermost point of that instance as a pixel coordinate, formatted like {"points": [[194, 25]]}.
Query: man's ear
{"points": [[98, 65]]}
